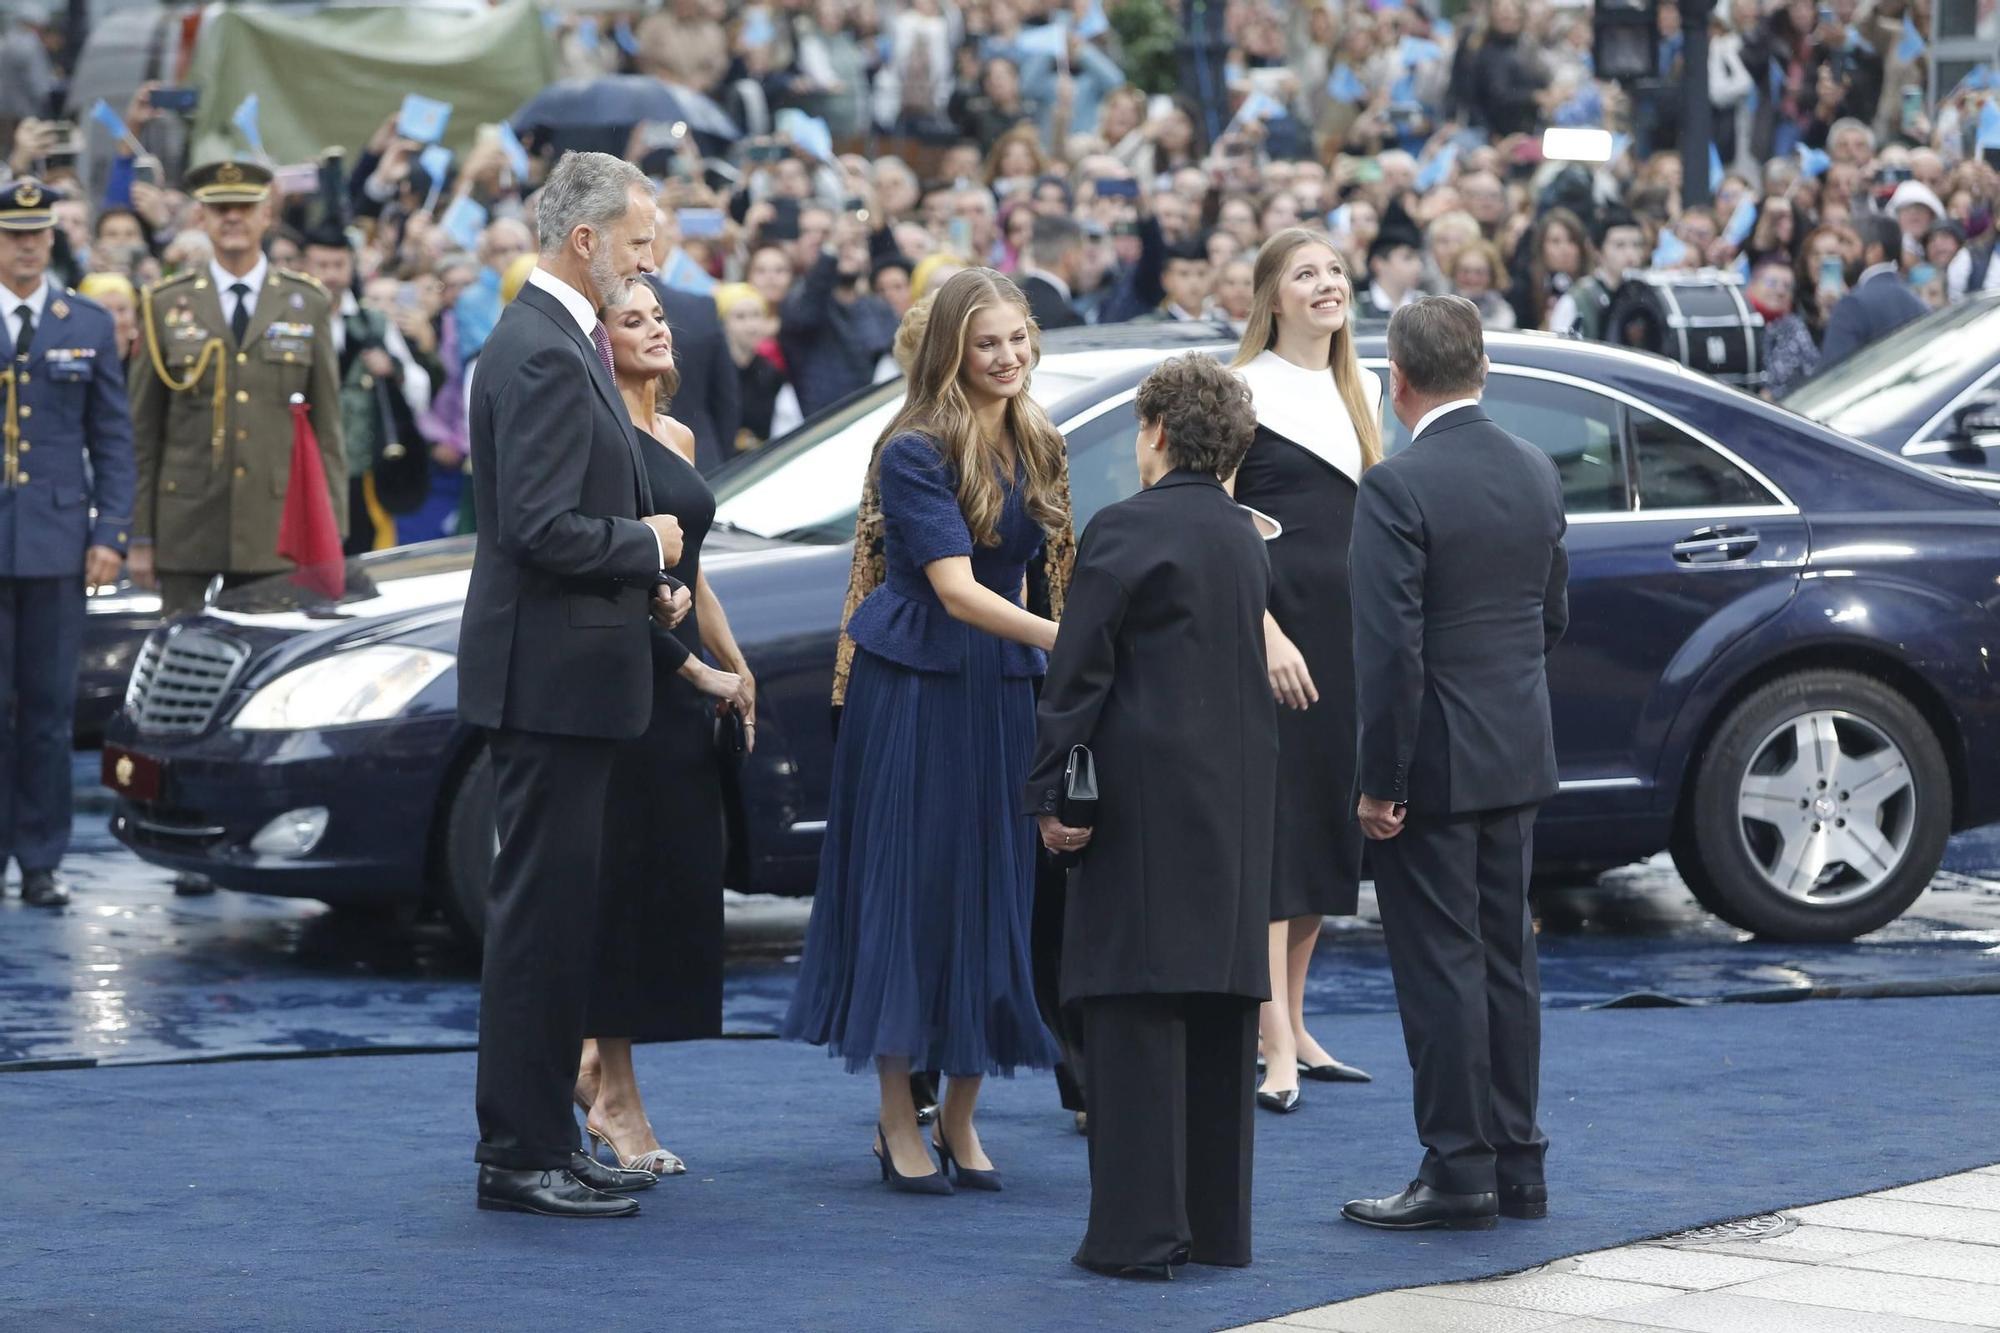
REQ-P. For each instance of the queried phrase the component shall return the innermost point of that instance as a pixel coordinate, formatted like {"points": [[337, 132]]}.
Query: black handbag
{"points": [[731, 738], [1076, 806]]}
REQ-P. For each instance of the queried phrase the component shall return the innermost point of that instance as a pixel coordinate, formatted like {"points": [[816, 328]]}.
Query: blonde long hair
{"points": [[937, 406], [1261, 334]]}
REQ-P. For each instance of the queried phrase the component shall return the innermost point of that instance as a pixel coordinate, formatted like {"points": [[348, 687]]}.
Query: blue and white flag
{"points": [[1714, 170], [422, 119], [1259, 105], [436, 163], [1813, 162], [1670, 251], [1414, 51], [111, 120], [809, 133], [1345, 86], [1093, 23], [1989, 128], [1432, 173], [245, 121], [1046, 39], [1741, 223], [463, 222], [516, 151], [1912, 44]]}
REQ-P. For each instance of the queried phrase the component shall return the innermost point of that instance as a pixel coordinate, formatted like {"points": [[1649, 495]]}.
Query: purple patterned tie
{"points": [[603, 341]]}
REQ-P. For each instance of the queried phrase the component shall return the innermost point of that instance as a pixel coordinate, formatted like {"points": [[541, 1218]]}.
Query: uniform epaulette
{"points": [[176, 279], [308, 279]]}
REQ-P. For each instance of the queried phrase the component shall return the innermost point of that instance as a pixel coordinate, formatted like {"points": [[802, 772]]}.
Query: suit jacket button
{"points": [[24, 478], [242, 395], [25, 446], [26, 411]]}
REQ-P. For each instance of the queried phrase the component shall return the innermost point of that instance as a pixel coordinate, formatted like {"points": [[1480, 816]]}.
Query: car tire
{"points": [[1771, 839], [1687, 860], [471, 837]]}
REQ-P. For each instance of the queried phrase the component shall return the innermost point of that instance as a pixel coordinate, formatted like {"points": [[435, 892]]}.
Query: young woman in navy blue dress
{"points": [[917, 953]]}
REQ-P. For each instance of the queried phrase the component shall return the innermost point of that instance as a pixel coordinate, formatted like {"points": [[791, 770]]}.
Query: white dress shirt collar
{"points": [[1875, 270], [1062, 288], [224, 280], [1429, 418], [579, 306], [36, 301]]}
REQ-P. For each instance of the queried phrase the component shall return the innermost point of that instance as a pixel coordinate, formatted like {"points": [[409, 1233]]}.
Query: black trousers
{"points": [[541, 935], [1172, 1083], [41, 639], [1453, 891]]}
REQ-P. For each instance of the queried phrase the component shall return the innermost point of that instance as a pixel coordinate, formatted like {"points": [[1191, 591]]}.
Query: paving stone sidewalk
{"points": [[1922, 1258]]}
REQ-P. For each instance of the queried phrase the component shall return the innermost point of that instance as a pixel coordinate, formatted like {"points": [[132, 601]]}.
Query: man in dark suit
{"points": [[66, 483], [1055, 253], [555, 663], [1460, 591], [709, 401], [1880, 301]]}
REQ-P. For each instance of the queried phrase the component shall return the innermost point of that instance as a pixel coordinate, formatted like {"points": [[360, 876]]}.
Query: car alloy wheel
{"points": [[1827, 807], [1820, 808]]}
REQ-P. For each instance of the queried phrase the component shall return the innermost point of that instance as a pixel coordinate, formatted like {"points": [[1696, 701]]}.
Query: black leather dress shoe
{"points": [[1526, 1202], [192, 886], [1334, 1072], [1420, 1208], [42, 888], [552, 1193], [609, 1179]]}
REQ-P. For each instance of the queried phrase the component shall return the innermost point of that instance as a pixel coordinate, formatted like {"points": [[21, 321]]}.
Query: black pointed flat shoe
{"points": [[1284, 1103], [1334, 1072]]}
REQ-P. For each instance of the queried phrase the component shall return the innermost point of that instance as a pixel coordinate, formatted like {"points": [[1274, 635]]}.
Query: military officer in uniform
{"points": [[222, 351], [65, 517]]}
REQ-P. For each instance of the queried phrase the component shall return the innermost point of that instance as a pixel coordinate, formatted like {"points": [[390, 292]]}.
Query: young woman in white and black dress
{"points": [[1318, 427], [658, 967]]}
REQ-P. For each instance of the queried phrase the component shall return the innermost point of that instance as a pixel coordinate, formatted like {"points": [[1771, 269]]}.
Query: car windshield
{"points": [[806, 486], [1900, 380]]}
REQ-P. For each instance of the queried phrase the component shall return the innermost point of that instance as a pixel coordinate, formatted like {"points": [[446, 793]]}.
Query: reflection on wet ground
{"points": [[131, 973]]}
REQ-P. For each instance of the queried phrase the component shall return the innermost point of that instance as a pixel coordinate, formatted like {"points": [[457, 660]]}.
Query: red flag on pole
{"points": [[308, 533]]}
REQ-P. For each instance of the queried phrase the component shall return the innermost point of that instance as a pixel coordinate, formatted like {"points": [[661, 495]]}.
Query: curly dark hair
{"points": [[1205, 410]]}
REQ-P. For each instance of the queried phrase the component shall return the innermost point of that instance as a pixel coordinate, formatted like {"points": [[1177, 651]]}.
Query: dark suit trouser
{"points": [[1453, 891], [41, 638], [1172, 1083], [541, 933]]}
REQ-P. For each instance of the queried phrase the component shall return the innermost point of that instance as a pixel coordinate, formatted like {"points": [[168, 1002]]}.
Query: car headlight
{"points": [[361, 685]]}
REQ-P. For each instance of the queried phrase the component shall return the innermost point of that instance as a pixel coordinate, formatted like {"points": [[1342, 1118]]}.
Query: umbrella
{"points": [[620, 101]]}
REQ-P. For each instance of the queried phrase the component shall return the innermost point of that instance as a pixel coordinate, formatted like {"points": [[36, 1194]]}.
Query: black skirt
{"points": [[658, 969], [1316, 868]]}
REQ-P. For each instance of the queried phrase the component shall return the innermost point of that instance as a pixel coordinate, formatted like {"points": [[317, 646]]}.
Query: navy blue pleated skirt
{"points": [[918, 945]]}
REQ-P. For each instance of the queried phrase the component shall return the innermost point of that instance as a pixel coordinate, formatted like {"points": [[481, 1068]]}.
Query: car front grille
{"points": [[180, 678]]}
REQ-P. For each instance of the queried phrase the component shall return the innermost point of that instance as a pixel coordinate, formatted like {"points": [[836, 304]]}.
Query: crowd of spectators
{"points": [[884, 145]]}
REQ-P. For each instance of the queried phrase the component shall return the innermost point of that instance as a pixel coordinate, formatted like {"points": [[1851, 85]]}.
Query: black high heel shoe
{"points": [[968, 1179], [931, 1182]]}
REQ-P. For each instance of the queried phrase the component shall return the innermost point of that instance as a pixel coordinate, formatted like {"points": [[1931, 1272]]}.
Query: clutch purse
{"points": [[1078, 805], [730, 737]]}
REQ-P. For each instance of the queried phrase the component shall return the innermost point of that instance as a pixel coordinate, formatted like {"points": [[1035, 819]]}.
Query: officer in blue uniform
{"points": [[66, 482]]}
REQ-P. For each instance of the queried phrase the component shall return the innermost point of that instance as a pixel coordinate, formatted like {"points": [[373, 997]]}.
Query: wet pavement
{"points": [[130, 973]]}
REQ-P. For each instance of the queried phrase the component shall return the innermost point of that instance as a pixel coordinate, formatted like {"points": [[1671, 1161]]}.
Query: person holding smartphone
{"points": [[832, 327]]}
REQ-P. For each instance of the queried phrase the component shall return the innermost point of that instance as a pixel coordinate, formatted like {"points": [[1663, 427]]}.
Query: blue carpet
{"points": [[337, 1193]]}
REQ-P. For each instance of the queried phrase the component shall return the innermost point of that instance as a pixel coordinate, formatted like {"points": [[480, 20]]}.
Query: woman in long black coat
{"points": [[1317, 429], [1159, 668]]}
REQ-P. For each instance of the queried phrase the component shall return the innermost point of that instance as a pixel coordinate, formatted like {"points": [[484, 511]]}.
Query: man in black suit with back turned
{"points": [[555, 663], [1460, 591]]}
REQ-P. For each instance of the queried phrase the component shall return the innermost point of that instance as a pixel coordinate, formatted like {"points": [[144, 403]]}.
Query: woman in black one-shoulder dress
{"points": [[1317, 429], [658, 966]]}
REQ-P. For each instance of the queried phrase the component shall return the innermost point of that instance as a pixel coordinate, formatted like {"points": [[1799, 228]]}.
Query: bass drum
{"points": [[1697, 318]]}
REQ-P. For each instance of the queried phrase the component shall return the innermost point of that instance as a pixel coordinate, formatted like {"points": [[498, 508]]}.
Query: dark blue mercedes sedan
{"points": [[1779, 663]]}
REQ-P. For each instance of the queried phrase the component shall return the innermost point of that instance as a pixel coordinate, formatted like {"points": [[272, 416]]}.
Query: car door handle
{"points": [[1714, 546]]}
